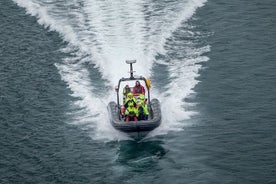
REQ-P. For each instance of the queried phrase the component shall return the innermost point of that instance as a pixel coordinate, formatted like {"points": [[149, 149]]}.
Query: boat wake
{"points": [[101, 35]]}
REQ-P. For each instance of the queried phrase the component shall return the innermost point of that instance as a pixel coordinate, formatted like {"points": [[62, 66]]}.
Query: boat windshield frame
{"points": [[132, 79]]}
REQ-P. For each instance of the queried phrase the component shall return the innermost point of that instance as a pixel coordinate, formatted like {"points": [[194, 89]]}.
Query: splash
{"points": [[101, 35]]}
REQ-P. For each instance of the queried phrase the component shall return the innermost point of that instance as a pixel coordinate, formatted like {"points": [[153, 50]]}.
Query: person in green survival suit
{"points": [[126, 90], [143, 108], [129, 99], [131, 113]]}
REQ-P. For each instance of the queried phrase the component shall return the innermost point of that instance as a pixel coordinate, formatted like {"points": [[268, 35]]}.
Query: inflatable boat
{"points": [[138, 128]]}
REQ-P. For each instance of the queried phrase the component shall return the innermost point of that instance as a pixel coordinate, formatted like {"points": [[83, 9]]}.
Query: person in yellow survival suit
{"points": [[130, 98], [131, 113], [126, 90], [143, 108]]}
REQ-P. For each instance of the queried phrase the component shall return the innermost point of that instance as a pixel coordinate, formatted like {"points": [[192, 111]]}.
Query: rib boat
{"points": [[140, 128]]}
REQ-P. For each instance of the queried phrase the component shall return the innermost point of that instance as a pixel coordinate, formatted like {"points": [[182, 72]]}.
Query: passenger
{"points": [[143, 108], [122, 110], [126, 90], [129, 99], [131, 113], [138, 89]]}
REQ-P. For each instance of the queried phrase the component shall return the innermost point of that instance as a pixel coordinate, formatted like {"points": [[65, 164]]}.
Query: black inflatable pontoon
{"points": [[135, 129]]}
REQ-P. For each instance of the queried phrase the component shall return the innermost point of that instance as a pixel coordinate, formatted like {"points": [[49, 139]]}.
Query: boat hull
{"points": [[136, 129]]}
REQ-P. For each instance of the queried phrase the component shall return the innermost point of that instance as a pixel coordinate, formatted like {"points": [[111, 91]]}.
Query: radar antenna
{"points": [[130, 62]]}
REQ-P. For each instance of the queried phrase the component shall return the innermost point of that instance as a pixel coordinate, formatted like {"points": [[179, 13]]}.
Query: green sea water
{"points": [[218, 61]]}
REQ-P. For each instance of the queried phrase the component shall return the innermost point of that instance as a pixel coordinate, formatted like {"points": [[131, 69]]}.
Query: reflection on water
{"points": [[140, 154]]}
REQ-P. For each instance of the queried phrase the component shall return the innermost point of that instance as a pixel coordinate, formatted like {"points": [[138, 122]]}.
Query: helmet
{"points": [[142, 97], [129, 95]]}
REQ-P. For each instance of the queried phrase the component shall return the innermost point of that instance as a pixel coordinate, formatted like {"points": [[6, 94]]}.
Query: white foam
{"points": [[106, 33]]}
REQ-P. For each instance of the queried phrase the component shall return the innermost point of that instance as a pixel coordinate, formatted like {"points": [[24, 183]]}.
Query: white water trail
{"points": [[105, 34]]}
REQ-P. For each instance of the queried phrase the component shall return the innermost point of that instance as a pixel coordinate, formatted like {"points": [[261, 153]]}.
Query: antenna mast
{"points": [[130, 62]]}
